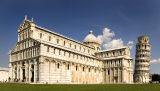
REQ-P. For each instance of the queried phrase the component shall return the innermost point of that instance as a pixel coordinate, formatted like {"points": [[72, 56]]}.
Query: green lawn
{"points": [[95, 87]]}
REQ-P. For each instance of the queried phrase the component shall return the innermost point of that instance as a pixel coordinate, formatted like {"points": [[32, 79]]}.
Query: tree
{"points": [[155, 77]]}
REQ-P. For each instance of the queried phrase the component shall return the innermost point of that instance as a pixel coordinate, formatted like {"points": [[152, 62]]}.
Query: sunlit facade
{"points": [[43, 56]]}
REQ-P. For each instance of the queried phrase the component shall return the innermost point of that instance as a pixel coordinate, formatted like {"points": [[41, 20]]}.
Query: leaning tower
{"points": [[142, 60]]}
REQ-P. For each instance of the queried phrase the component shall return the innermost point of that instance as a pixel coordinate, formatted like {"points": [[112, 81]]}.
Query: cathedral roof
{"points": [[90, 38], [4, 69], [62, 36]]}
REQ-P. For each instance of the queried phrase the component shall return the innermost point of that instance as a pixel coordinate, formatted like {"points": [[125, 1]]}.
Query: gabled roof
{"points": [[25, 24]]}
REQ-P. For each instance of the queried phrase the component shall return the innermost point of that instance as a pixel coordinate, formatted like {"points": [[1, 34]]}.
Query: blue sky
{"points": [[127, 19]]}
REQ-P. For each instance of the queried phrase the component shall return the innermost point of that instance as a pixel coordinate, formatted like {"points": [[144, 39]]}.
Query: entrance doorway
{"points": [[116, 79], [23, 75], [32, 72]]}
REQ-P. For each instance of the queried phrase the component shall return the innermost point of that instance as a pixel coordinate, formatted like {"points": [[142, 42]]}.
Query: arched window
{"points": [[98, 48], [32, 66], [83, 69], [34, 43], [120, 52], [113, 53], [57, 41], [107, 54], [59, 52], [68, 67], [145, 40], [54, 50], [69, 54], [145, 47], [108, 72], [64, 43], [64, 53], [47, 48], [40, 35], [58, 65], [23, 64], [76, 67], [49, 38]]}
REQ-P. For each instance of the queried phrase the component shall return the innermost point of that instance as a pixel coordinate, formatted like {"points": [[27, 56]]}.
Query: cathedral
{"points": [[42, 56]]}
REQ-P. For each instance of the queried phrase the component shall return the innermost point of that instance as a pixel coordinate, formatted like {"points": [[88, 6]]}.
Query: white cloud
{"points": [[130, 44], [108, 42], [155, 61], [107, 35], [115, 43]]}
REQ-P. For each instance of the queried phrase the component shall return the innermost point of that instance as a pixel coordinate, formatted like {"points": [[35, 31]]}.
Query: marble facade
{"points": [[42, 56]]}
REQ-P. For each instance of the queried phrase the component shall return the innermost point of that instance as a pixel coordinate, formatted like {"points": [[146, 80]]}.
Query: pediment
{"points": [[26, 24]]}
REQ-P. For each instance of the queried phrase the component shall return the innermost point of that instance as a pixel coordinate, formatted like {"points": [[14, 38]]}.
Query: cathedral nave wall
{"points": [[58, 71], [57, 39]]}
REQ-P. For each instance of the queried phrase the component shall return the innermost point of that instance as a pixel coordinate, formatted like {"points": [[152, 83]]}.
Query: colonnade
{"points": [[49, 70]]}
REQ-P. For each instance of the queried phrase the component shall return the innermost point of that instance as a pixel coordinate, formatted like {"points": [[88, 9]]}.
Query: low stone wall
{"points": [[4, 74]]}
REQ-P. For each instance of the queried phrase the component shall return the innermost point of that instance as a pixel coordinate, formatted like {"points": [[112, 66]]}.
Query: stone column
{"points": [[21, 74], [110, 74], [26, 70], [113, 74], [118, 74], [130, 77], [13, 72], [35, 71], [29, 72], [18, 71], [123, 75]]}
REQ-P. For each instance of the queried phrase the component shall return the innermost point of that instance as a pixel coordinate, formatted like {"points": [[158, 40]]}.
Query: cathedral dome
{"points": [[90, 38]]}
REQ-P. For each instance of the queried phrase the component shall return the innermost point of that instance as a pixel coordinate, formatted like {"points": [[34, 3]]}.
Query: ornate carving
{"points": [[26, 24]]}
